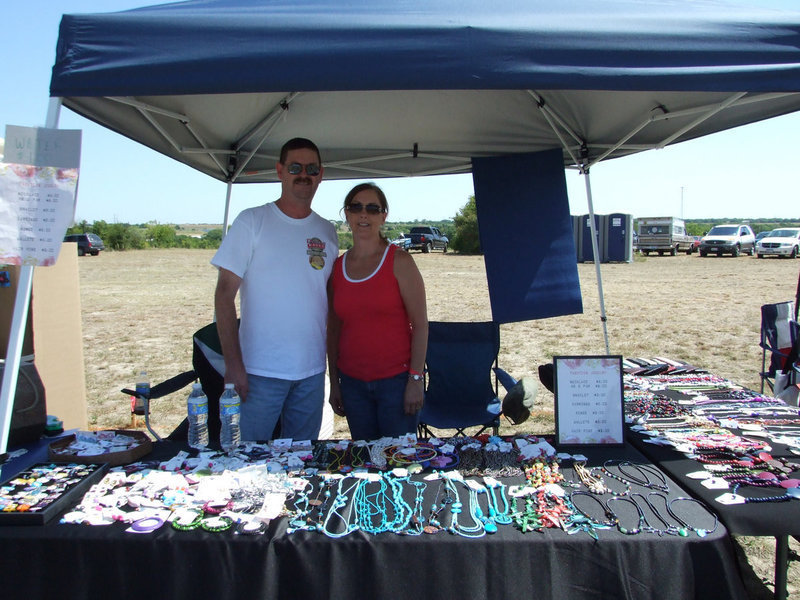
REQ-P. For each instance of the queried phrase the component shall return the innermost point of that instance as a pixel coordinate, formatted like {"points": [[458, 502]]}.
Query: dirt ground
{"points": [[140, 308]]}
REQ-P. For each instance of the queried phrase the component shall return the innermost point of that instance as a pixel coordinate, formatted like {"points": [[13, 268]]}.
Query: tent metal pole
{"points": [[227, 209], [596, 253], [19, 320]]}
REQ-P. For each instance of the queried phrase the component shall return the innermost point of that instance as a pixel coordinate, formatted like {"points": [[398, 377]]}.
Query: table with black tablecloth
{"points": [[80, 561], [769, 519]]}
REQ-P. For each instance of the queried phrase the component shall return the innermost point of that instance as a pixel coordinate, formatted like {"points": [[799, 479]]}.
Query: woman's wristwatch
{"points": [[414, 375]]}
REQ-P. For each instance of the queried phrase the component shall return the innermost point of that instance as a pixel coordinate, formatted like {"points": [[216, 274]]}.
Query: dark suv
{"points": [[88, 243]]}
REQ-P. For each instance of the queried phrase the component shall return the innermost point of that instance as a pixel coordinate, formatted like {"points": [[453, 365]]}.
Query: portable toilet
{"points": [[586, 238], [576, 235], [618, 238]]}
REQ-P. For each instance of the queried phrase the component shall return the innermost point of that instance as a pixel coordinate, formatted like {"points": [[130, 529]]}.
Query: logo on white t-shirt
{"points": [[316, 253]]}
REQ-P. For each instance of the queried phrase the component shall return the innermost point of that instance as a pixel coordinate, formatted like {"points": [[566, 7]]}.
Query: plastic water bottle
{"points": [[229, 405], [142, 391], [197, 413]]}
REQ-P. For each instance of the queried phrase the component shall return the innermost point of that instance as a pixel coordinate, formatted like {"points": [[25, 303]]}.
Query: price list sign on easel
{"points": [[588, 400], [38, 185]]}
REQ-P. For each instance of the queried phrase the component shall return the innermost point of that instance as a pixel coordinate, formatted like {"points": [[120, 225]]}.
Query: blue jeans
{"points": [[374, 409], [298, 405]]}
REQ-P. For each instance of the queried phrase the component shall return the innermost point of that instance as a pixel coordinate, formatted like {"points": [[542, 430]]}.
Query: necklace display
{"points": [[231, 495]]}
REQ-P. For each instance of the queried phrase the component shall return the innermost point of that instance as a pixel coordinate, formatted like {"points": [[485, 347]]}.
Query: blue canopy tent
{"points": [[413, 87]]}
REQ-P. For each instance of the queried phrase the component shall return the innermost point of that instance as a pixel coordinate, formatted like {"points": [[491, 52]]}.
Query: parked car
{"points": [[402, 241], [88, 243], [780, 242], [760, 235], [728, 239]]}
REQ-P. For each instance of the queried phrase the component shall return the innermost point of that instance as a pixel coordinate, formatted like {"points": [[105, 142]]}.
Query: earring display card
{"points": [[43, 491], [588, 400]]}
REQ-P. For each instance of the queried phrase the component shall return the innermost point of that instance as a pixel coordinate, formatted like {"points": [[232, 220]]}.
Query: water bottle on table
{"points": [[229, 411], [197, 415], [142, 394]]}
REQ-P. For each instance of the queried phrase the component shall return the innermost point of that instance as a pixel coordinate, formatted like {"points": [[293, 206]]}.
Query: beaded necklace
{"points": [[339, 502], [373, 509], [542, 471], [475, 530], [658, 480], [500, 516], [641, 519], [700, 532], [416, 525], [552, 509], [788, 495], [669, 528], [592, 479], [581, 520], [434, 525]]}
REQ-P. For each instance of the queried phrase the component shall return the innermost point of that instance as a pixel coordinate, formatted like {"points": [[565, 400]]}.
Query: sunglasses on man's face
{"points": [[296, 168], [357, 207]]}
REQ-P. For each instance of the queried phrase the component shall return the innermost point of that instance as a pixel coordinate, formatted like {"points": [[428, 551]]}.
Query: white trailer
{"points": [[664, 235]]}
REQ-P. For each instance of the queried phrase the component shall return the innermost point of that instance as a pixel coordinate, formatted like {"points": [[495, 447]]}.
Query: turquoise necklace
{"points": [[503, 517], [416, 524], [475, 530], [302, 508], [339, 502]]}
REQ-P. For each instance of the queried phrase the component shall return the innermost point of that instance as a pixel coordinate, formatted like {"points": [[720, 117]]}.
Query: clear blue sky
{"points": [[748, 172]]}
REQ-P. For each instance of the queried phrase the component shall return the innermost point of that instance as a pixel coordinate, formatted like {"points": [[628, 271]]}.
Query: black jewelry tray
{"points": [[75, 480]]}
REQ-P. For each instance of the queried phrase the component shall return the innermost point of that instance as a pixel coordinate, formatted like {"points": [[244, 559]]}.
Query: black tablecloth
{"points": [[79, 561], [758, 519]]}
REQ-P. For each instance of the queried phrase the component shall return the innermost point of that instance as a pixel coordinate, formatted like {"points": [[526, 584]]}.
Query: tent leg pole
{"points": [[227, 209], [16, 340], [596, 254], [19, 321]]}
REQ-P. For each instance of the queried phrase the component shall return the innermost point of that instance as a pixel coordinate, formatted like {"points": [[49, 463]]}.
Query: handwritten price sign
{"points": [[588, 399], [38, 184]]}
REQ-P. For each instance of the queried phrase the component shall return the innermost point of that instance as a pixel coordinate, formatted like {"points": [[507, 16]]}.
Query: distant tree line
{"points": [[462, 231], [701, 226], [124, 236]]}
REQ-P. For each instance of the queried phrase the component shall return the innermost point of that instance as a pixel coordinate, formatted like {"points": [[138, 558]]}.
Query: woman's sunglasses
{"points": [[357, 207], [296, 168]]}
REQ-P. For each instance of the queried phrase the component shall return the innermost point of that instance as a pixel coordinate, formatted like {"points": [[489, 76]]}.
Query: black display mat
{"points": [[66, 483]]}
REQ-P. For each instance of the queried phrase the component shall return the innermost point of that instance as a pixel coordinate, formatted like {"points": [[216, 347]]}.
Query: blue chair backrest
{"points": [[459, 361]]}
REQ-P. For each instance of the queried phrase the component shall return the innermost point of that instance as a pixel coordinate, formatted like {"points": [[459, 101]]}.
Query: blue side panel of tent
{"points": [[526, 236]]}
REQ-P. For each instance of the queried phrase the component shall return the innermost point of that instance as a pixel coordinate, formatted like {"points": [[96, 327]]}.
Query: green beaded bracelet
{"points": [[181, 521], [216, 523]]}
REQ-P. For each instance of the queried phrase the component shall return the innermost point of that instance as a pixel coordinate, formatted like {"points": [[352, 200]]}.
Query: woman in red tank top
{"points": [[377, 326]]}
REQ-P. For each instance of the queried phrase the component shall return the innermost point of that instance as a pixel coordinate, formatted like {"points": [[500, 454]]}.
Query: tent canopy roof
{"points": [[411, 87]]}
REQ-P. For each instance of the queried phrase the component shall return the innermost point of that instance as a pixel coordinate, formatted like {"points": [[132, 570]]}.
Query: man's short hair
{"points": [[299, 143]]}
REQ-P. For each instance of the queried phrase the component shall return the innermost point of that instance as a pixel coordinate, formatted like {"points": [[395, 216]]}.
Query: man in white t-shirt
{"points": [[278, 257]]}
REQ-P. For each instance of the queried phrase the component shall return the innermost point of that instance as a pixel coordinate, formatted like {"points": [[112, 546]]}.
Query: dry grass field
{"points": [[140, 308]]}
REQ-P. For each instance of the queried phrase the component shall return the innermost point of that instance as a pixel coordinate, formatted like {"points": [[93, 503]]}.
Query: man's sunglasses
{"points": [[357, 207], [296, 168]]}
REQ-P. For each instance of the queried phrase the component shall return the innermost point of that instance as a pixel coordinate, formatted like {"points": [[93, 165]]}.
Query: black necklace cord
{"points": [[609, 515], [668, 527], [657, 482], [639, 512], [699, 531]]}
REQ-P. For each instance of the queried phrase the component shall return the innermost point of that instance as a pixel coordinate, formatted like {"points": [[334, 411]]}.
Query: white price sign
{"points": [[588, 399]]}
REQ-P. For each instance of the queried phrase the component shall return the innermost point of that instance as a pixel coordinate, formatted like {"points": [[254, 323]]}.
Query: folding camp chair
{"points": [[777, 338], [460, 391]]}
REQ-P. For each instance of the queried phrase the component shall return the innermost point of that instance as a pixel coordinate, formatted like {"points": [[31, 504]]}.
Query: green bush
{"points": [[465, 238]]}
